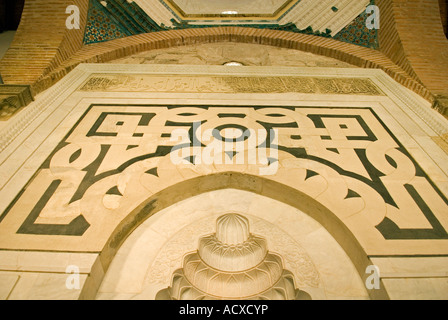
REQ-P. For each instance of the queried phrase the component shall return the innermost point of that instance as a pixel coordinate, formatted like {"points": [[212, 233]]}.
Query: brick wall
{"points": [[411, 34], [413, 46], [42, 41]]}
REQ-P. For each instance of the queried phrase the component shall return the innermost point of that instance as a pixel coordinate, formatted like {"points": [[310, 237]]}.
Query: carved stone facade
{"points": [[345, 176]]}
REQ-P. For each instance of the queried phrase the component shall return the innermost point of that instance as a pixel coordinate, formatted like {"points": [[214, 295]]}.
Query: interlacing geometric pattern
{"points": [[118, 156]]}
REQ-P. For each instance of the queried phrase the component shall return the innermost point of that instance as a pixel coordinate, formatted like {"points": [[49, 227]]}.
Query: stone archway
{"points": [[346, 201], [318, 265], [275, 192]]}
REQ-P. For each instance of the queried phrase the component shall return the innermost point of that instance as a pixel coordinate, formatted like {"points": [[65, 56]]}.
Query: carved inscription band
{"points": [[238, 84]]}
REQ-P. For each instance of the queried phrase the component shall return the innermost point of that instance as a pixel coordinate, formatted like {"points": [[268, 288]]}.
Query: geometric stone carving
{"points": [[232, 264], [327, 148]]}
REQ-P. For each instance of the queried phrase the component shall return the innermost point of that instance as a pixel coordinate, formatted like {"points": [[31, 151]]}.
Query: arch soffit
{"points": [[240, 181]]}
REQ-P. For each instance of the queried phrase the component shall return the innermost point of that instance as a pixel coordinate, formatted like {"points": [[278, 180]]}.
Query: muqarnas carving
{"points": [[13, 98], [232, 264]]}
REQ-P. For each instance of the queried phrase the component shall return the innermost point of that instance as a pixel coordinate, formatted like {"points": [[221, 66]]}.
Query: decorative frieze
{"points": [[219, 84]]}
